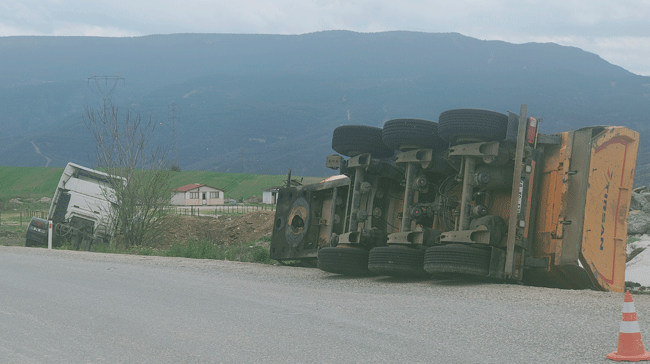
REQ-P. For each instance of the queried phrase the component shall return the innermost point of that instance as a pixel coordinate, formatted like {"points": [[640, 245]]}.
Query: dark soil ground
{"points": [[11, 238], [221, 230]]}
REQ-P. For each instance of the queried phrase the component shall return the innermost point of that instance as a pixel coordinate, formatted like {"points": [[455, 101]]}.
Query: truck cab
{"points": [[82, 210]]}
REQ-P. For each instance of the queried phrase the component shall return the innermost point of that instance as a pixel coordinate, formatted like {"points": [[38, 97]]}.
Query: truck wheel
{"points": [[397, 261], [457, 258], [352, 140], [459, 125], [33, 243], [342, 260], [408, 134]]}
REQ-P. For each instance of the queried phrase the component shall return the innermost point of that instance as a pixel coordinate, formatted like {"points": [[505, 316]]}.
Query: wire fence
{"points": [[20, 217], [218, 210], [23, 217]]}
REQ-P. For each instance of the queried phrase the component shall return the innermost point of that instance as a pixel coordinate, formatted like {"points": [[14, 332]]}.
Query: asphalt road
{"points": [[79, 307]]}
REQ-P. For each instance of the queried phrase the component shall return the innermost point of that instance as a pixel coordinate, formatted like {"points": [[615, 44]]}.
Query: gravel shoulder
{"points": [[189, 310]]}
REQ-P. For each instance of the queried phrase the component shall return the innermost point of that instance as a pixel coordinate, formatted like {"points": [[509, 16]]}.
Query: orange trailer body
{"points": [[584, 196]]}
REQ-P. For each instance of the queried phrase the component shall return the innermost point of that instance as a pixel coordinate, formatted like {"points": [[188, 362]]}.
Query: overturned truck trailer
{"points": [[477, 193]]}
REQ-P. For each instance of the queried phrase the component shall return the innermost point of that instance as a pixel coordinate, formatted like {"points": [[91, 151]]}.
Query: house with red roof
{"points": [[197, 194]]}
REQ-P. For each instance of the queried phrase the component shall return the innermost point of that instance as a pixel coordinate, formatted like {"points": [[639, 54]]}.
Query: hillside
{"points": [[260, 104], [36, 182]]}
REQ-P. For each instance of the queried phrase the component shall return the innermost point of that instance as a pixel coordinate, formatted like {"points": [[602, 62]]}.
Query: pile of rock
{"points": [[638, 226], [638, 220]]}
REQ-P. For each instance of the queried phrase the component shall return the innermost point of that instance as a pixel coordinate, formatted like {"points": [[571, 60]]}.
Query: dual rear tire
{"points": [[352, 140], [457, 258], [453, 126], [402, 261], [408, 134], [469, 125], [343, 260], [397, 261]]}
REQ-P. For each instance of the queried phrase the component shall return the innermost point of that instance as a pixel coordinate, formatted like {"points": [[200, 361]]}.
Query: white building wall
{"points": [[269, 197], [178, 198], [183, 198]]}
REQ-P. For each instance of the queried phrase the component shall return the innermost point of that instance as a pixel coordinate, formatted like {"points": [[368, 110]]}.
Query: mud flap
{"points": [[497, 263]]}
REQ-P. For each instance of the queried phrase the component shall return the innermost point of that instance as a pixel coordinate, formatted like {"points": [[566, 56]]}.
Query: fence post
{"points": [[49, 235]]}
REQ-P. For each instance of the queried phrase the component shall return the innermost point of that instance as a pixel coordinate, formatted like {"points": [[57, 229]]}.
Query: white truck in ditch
{"points": [[82, 210]]}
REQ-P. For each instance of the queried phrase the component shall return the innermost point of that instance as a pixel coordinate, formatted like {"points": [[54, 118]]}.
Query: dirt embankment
{"points": [[218, 230], [11, 238]]}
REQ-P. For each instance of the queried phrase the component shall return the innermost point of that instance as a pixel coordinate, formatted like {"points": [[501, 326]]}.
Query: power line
{"points": [[106, 90]]}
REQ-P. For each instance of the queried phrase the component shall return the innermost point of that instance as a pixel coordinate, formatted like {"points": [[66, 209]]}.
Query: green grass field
{"points": [[28, 182], [36, 182]]}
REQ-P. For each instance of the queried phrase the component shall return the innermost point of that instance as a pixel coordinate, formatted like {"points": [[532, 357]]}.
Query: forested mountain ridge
{"points": [[265, 103]]}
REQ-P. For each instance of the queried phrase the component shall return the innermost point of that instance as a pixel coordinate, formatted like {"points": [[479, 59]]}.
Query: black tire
{"points": [[408, 134], [397, 261], [352, 140], [35, 243], [457, 258], [342, 260], [472, 124]]}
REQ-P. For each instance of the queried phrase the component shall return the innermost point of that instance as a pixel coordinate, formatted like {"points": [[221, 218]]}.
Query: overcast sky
{"points": [[616, 30]]}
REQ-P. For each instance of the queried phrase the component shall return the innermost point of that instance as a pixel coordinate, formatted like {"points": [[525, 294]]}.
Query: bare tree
{"points": [[122, 141]]}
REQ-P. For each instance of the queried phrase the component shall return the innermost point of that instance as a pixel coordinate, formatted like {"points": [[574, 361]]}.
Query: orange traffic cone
{"points": [[630, 345]]}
